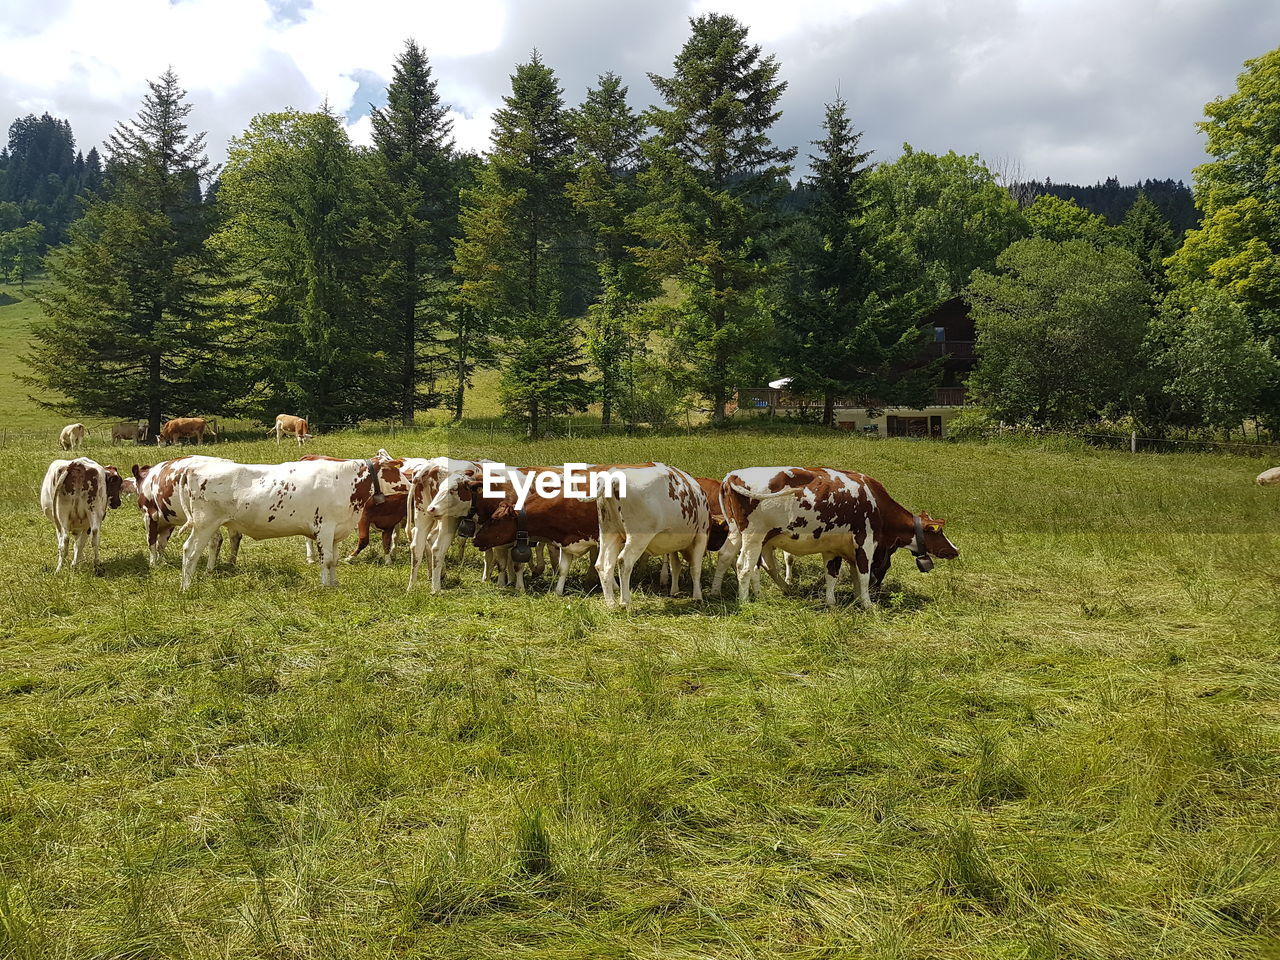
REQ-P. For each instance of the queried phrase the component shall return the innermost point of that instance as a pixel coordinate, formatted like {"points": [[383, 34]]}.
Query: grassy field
{"points": [[1064, 744]]}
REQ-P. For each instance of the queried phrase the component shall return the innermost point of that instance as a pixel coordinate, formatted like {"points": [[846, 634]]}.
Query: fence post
{"points": [[1133, 441]]}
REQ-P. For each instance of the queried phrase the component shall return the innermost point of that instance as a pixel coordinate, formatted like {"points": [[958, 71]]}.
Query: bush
{"points": [[972, 423]]}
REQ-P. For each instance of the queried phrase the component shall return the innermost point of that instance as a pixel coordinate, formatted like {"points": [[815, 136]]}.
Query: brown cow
{"points": [[386, 516], [129, 430], [72, 436], [290, 426], [185, 428]]}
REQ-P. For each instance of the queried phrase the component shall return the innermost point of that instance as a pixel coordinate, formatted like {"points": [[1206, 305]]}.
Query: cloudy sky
{"points": [[1076, 90]]}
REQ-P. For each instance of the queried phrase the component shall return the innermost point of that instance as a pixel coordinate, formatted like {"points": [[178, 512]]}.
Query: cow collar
{"points": [[378, 495], [924, 562], [521, 552], [467, 525]]}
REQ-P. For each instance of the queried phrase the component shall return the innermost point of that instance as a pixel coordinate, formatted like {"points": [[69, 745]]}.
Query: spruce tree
{"points": [[605, 192], [132, 324], [712, 186], [295, 228], [511, 257], [416, 216], [846, 326], [1146, 234]]}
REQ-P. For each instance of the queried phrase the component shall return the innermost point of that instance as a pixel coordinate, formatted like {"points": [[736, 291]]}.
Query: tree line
{"points": [[632, 260]]}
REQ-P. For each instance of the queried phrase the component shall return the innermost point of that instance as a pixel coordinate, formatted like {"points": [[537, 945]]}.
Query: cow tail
{"points": [[609, 511], [753, 495]]}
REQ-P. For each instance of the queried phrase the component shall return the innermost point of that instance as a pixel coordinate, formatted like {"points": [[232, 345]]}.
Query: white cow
{"points": [[664, 511], [72, 436], [161, 510], [318, 499], [75, 495]]}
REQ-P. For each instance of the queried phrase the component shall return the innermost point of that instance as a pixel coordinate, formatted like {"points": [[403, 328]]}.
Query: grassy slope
{"points": [[1065, 744]]}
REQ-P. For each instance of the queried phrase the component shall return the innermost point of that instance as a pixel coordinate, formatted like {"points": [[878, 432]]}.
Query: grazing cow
{"points": [[290, 426], [162, 513], [842, 515], [664, 511], [1268, 477], [570, 523], [318, 499], [185, 428], [387, 517], [75, 495], [129, 430], [72, 436]]}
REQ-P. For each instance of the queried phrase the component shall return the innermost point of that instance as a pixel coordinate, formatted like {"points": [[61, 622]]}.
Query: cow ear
{"points": [[474, 483], [934, 526], [137, 472], [111, 470], [504, 510]]}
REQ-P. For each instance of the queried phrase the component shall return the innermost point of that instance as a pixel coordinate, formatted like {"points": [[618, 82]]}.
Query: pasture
{"points": [[1064, 744]]}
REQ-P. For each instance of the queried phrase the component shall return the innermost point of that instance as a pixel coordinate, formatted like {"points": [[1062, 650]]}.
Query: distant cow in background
{"points": [[72, 436], [127, 430], [290, 426], [75, 495], [1268, 477], [185, 428]]}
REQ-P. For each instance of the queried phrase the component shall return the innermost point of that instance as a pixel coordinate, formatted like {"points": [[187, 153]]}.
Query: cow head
{"points": [[453, 496], [495, 519], [114, 484], [935, 542]]}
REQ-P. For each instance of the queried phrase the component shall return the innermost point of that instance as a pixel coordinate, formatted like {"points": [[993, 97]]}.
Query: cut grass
{"points": [[1064, 744]]}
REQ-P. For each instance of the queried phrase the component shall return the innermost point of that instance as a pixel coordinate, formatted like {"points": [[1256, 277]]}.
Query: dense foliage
{"points": [[646, 262]]}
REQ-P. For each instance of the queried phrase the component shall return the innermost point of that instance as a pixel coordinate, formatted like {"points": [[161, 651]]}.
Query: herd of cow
{"points": [[655, 510]]}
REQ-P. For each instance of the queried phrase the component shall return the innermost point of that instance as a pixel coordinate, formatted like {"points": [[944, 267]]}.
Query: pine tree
{"points": [[712, 186], [604, 190], [845, 326], [296, 229], [133, 320], [511, 257], [1146, 234], [418, 212]]}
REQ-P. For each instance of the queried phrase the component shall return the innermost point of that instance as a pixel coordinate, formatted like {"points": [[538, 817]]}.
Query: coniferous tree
{"points": [[293, 209], [511, 256], [133, 323], [417, 215], [1146, 234], [846, 326], [604, 190], [712, 187]]}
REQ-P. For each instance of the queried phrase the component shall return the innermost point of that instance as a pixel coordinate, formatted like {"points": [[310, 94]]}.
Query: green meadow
{"points": [[1066, 743]]}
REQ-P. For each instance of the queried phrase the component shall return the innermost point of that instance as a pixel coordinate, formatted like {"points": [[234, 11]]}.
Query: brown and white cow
{"points": [[385, 513], [664, 511], [439, 500], [318, 499], [570, 524], [162, 513], [72, 436], [844, 516], [290, 426], [185, 428], [715, 538], [75, 495], [129, 430]]}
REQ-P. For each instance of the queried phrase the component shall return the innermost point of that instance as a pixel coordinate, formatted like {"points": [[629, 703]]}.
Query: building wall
{"points": [[856, 419]]}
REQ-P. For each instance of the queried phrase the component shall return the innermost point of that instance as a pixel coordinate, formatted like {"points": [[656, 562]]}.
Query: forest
{"points": [[638, 263]]}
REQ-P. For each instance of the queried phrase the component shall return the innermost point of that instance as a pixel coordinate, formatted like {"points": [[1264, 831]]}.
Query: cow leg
{"points": [[63, 542], [724, 560], [861, 565], [94, 534], [81, 537], [769, 560], [192, 550], [748, 558], [215, 548], [233, 549], [539, 559], [388, 544], [672, 560], [327, 556], [565, 562], [420, 542], [362, 537], [833, 576], [446, 531], [694, 555], [664, 572], [606, 560], [632, 550], [786, 560]]}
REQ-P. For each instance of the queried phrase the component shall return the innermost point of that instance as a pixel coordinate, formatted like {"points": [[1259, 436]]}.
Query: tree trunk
{"points": [[533, 432], [829, 409], [606, 409]]}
